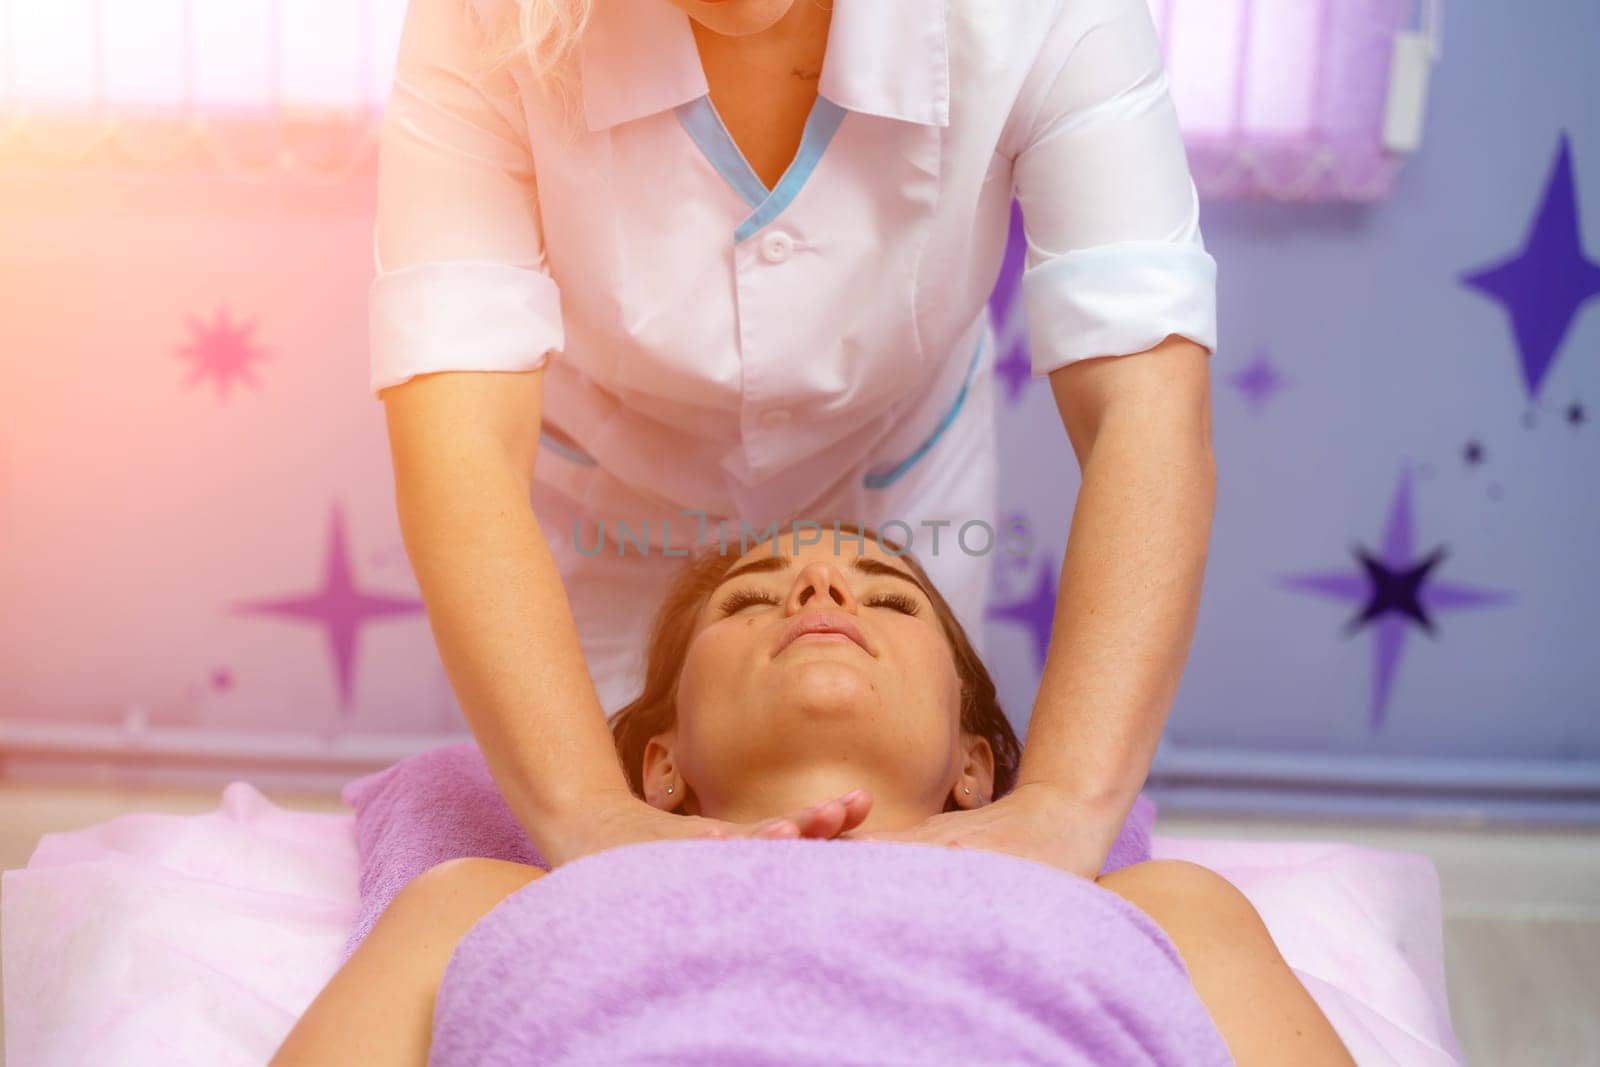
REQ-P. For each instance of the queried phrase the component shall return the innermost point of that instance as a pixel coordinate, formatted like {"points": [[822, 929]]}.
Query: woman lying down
{"points": [[820, 949]]}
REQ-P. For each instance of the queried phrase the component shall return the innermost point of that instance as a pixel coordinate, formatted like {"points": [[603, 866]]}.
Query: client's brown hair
{"points": [[654, 710]]}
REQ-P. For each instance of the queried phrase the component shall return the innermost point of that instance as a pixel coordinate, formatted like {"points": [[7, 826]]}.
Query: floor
{"points": [[1522, 908]]}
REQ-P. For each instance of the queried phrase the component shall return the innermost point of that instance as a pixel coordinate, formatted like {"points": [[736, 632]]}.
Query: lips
{"points": [[821, 622]]}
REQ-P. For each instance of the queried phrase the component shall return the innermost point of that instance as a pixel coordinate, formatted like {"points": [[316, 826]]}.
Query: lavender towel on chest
{"points": [[800, 952], [443, 804]]}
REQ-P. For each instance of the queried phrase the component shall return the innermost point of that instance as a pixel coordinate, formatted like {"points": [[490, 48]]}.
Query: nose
{"points": [[821, 578]]}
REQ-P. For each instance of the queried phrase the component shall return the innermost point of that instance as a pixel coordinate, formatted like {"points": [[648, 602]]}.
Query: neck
{"points": [[779, 796], [803, 29]]}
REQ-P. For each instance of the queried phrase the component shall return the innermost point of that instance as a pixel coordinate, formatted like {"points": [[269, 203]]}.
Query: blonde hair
{"points": [[545, 35]]}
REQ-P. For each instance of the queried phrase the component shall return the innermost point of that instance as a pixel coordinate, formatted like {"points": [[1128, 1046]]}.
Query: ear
{"points": [[977, 773], [659, 773]]}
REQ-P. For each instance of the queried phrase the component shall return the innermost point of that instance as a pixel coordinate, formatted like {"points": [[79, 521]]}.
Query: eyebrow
{"points": [[864, 564]]}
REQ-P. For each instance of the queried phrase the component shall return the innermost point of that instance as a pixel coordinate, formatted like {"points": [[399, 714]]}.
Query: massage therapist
{"points": [[651, 269]]}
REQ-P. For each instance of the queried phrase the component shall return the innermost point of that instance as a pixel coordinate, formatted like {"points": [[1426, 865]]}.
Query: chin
{"points": [[819, 682], [738, 18]]}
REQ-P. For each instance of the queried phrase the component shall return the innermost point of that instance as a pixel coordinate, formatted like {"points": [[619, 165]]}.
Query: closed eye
{"points": [[898, 601], [743, 598]]}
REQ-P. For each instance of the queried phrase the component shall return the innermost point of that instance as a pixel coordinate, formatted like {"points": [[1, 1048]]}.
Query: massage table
{"points": [[199, 939]]}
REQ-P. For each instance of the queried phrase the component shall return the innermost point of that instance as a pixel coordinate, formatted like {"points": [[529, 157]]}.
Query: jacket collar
{"points": [[884, 57]]}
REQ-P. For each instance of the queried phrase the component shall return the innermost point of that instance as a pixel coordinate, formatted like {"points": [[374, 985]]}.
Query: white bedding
{"points": [[199, 939]]}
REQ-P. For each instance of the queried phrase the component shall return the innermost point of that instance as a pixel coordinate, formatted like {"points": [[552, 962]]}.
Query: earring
{"points": [[968, 789], [669, 789]]}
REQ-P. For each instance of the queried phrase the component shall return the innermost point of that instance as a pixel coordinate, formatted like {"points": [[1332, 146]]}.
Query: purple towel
{"points": [[799, 952], [442, 804]]}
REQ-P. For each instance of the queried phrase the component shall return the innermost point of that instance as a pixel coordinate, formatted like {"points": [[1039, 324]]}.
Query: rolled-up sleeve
{"points": [[1115, 258], [462, 282]]}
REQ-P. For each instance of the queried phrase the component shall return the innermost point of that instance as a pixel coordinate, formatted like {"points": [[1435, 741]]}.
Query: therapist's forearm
{"points": [[505, 632], [1125, 612]]}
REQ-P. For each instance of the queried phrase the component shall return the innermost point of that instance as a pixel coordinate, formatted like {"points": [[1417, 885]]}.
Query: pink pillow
{"points": [[443, 804]]}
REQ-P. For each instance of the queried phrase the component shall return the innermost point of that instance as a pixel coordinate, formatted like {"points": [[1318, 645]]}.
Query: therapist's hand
{"points": [[1034, 821], [624, 819]]}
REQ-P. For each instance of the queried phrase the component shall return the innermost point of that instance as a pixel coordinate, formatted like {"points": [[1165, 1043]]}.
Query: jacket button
{"points": [[776, 246]]}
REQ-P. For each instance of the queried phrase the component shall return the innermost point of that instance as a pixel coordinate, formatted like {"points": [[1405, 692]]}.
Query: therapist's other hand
{"points": [[627, 820], [1034, 821]]}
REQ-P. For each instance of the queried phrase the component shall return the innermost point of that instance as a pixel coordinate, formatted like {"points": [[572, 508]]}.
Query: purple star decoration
{"points": [[1013, 366], [1036, 611], [221, 352], [1259, 381], [1393, 587], [338, 606], [1544, 285]]}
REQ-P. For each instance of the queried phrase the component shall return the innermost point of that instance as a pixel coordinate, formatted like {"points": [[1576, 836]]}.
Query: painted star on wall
{"points": [[1393, 587], [1260, 381], [1013, 366], [1007, 286], [338, 606], [1543, 286], [221, 352], [1036, 611], [1011, 563]]}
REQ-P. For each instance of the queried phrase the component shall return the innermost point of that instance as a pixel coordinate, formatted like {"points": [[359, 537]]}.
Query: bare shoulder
{"points": [[1173, 886], [1257, 1002], [465, 888], [472, 870], [438, 906], [1197, 907], [378, 1007]]}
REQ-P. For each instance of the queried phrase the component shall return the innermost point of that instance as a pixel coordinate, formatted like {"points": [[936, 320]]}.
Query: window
{"points": [[1287, 99], [1297, 99], [165, 57]]}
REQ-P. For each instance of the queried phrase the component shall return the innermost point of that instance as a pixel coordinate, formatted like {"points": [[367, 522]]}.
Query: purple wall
{"points": [[1415, 381]]}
